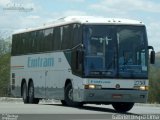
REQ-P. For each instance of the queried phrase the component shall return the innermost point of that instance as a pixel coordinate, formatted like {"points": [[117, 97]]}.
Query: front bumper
{"points": [[104, 96]]}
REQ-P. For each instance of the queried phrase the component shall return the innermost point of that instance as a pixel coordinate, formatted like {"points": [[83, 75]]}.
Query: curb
{"points": [[148, 105], [9, 99]]}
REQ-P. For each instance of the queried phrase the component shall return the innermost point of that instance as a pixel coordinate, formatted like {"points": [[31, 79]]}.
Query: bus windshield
{"points": [[115, 51]]}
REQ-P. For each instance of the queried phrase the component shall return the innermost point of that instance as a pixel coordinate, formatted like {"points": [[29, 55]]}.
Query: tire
{"points": [[24, 93], [122, 107], [31, 98], [36, 100], [69, 97], [63, 102]]}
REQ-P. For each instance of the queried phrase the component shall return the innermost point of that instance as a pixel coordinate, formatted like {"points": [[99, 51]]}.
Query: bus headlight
{"points": [[91, 86], [141, 87]]}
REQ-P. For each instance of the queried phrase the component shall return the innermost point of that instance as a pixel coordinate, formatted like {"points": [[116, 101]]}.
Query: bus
{"points": [[82, 60]]}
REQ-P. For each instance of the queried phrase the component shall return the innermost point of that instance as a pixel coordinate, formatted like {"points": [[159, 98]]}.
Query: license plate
{"points": [[117, 96]]}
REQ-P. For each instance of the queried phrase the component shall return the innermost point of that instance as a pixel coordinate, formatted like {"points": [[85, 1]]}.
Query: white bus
{"points": [[80, 60]]}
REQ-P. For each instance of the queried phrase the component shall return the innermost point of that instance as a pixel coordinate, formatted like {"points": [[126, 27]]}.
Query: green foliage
{"points": [[5, 47], [154, 89], [4, 74]]}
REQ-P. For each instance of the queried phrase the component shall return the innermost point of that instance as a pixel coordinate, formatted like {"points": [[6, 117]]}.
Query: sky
{"points": [[46, 11]]}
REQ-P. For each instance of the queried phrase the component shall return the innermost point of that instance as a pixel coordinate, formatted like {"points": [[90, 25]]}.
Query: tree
{"points": [[154, 79], [5, 48], [4, 74]]}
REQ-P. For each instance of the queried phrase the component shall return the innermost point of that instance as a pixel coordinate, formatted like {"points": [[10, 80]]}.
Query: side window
{"points": [[66, 37], [33, 42], [21, 44], [48, 39], [76, 34], [56, 38], [14, 43], [39, 41], [76, 56], [17, 45], [26, 43]]}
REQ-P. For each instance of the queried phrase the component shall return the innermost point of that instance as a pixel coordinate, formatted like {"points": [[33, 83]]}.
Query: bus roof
{"points": [[84, 20]]}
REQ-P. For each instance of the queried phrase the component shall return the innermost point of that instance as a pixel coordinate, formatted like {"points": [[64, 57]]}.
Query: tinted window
{"points": [[48, 39], [17, 45], [57, 38], [26, 43], [100, 50], [66, 37], [132, 47], [14, 48], [39, 41], [20, 44], [63, 37], [76, 34], [33, 43]]}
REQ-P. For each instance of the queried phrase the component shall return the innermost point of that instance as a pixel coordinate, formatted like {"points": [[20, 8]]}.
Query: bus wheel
{"points": [[36, 100], [69, 97], [63, 102], [24, 93], [122, 107], [31, 98]]}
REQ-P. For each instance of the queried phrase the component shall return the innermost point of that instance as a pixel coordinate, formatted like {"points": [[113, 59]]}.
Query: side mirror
{"points": [[152, 57]]}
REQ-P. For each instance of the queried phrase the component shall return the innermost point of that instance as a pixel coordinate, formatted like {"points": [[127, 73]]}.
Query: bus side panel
{"points": [[48, 72], [38, 66], [78, 86], [22, 69], [38, 78], [57, 76], [17, 74]]}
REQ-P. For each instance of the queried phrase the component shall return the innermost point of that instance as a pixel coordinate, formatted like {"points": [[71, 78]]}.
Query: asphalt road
{"points": [[55, 111]]}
